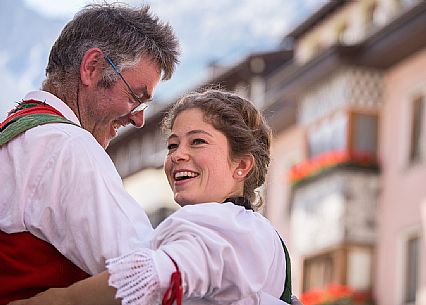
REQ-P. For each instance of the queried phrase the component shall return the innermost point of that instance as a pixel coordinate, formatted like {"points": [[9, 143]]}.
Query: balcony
{"points": [[335, 190]]}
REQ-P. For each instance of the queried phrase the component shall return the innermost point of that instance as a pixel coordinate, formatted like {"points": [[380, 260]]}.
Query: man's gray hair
{"points": [[124, 34]]}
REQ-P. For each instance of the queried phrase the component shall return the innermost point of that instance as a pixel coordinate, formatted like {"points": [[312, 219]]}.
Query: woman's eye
{"points": [[172, 146], [199, 141]]}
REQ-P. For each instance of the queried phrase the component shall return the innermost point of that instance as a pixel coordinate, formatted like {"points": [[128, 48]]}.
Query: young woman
{"points": [[215, 249]]}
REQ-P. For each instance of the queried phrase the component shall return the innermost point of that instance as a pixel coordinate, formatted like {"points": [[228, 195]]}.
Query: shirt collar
{"points": [[55, 102]]}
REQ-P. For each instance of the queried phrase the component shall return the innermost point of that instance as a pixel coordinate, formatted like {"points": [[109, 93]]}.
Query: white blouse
{"points": [[226, 255], [58, 183]]}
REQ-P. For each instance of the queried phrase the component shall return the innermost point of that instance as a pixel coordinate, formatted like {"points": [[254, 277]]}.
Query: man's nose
{"points": [[137, 119]]}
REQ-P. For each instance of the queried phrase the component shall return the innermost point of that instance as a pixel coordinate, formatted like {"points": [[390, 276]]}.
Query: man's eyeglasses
{"points": [[142, 104]]}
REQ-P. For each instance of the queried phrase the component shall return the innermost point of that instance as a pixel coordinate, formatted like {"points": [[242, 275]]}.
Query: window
{"points": [[257, 91], [329, 135], [364, 133], [416, 137], [412, 269], [318, 272], [346, 264], [344, 131]]}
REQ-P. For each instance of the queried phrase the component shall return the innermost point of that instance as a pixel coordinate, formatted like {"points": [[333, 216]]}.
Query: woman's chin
{"points": [[183, 201]]}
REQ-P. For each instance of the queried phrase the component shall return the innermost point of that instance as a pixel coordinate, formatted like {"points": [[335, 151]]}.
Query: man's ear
{"points": [[244, 166], [91, 66]]}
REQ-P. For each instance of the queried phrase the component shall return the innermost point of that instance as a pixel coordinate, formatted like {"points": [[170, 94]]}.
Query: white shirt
{"points": [[58, 183], [226, 255]]}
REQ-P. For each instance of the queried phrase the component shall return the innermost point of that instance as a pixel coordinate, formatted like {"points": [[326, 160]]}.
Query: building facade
{"points": [[351, 202]]}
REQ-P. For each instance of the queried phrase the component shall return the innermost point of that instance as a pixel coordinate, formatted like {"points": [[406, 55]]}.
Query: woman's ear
{"points": [[244, 166], [91, 66]]}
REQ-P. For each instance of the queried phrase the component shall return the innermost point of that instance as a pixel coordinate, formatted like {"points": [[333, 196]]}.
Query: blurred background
{"points": [[343, 85], [29, 28]]}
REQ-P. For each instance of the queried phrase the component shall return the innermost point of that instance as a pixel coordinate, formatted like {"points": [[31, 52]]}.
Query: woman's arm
{"points": [[91, 291]]}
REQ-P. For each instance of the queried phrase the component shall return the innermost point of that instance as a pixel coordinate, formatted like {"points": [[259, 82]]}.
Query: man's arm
{"points": [[91, 291]]}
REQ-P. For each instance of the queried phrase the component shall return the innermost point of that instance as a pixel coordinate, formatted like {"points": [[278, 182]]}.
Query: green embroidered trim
{"points": [[25, 122], [25, 104]]}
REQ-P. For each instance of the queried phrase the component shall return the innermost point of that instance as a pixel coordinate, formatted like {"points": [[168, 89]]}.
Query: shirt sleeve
{"points": [[224, 254], [81, 207]]}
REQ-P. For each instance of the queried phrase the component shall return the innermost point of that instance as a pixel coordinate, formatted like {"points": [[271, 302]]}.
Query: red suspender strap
{"points": [[175, 291], [41, 108]]}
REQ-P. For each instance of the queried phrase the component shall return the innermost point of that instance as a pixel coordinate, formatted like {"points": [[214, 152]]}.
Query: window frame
{"points": [[416, 130]]}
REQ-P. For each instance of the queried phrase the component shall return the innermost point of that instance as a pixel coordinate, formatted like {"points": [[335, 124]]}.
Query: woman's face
{"points": [[198, 164]]}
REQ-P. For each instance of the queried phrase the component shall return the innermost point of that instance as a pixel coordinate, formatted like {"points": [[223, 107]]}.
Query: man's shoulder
{"points": [[58, 133], [66, 143], [67, 140]]}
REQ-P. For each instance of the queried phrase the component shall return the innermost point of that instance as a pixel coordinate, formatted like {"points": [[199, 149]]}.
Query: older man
{"points": [[63, 208]]}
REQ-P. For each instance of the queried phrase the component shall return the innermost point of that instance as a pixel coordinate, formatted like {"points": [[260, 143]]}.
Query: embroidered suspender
{"points": [[286, 295], [27, 115]]}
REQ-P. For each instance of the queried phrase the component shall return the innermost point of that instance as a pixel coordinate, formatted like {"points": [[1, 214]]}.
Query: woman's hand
{"points": [[54, 296]]}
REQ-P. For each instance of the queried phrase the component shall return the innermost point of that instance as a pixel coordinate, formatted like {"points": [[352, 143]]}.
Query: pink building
{"points": [[401, 255]]}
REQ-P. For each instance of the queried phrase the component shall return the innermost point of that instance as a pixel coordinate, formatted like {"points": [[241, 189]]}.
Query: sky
{"points": [[222, 31]]}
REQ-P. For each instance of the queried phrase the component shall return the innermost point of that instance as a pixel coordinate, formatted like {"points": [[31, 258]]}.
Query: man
{"points": [[63, 208]]}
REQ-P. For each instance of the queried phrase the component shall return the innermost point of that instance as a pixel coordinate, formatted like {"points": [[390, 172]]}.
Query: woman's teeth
{"points": [[185, 175]]}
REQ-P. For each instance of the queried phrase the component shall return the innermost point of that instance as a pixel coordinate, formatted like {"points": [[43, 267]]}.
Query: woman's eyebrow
{"points": [[195, 131], [198, 131]]}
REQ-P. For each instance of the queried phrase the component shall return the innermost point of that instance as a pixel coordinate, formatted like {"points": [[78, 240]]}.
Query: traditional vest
{"points": [[29, 265]]}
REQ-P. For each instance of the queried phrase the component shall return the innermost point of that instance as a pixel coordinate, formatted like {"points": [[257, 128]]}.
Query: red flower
{"points": [[335, 294], [316, 165]]}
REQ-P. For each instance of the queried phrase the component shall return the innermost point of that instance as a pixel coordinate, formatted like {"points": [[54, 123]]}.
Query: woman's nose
{"points": [[137, 119], [180, 154]]}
